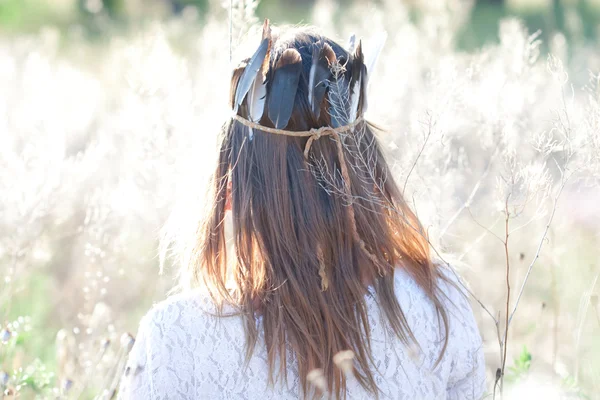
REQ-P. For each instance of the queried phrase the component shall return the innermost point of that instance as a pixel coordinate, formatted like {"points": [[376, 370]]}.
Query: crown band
{"points": [[312, 134]]}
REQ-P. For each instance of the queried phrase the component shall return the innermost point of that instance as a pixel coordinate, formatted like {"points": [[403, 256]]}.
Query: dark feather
{"points": [[356, 82], [362, 101], [283, 88], [357, 60], [318, 79], [250, 72]]}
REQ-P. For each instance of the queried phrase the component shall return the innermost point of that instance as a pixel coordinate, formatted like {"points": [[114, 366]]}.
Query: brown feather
{"points": [[329, 54], [289, 56], [266, 34]]}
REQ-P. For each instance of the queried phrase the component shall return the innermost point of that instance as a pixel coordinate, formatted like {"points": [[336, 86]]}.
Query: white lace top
{"points": [[182, 352]]}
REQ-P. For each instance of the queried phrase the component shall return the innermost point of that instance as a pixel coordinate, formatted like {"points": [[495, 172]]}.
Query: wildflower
{"points": [[344, 360], [317, 378], [66, 385], [4, 377], [109, 394], [104, 343], [61, 335], [5, 335], [127, 341]]}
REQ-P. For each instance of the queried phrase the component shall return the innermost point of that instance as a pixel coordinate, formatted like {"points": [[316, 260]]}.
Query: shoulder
{"points": [[190, 316], [166, 347], [468, 376], [172, 309], [456, 298], [167, 321], [452, 293], [451, 289], [176, 331], [192, 312]]}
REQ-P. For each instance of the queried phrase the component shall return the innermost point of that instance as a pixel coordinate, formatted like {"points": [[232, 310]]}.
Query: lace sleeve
{"points": [[135, 382], [467, 377], [161, 363]]}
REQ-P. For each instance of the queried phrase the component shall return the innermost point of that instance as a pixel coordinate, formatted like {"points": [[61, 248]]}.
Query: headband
{"points": [[312, 134]]}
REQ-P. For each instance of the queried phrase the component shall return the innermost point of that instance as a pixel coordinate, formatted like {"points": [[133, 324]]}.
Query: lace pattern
{"points": [[184, 352]]}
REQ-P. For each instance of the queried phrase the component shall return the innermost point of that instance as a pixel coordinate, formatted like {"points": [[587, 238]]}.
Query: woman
{"points": [[330, 290]]}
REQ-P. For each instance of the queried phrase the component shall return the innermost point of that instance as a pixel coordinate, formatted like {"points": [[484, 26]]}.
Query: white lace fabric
{"points": [[184, 352]]}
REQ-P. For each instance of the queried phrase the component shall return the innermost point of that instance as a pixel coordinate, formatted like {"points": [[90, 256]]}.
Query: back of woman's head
{"points": [[317, 216]]}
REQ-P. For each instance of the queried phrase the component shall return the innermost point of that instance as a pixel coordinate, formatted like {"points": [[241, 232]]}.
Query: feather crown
{"points": [[311, 82]]}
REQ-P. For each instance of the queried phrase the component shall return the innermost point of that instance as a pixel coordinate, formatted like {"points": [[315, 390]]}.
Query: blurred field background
{"points": [[109, 111]]}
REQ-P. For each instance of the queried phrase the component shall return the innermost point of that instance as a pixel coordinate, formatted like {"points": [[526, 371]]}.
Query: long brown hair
{"points": [[296, 262]]}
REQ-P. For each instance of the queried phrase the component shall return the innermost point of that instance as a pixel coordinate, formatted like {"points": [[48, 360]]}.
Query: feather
{"points": [[335, 69], [351, 43], [250, 72], [318, 79], [257, 97], [338, 97], [338, 89], [362, 102], [284, 85], [354, 100], [329, 55], [373, 52], [266, 34], [370, 60], [235, 79], [257, 94], [356, 82]]}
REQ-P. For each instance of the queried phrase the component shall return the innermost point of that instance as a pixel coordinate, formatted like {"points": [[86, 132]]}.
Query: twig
{"points": [[488, 230], [89, 375], [580, 321], [556, 313], [539, 249], [476, 241], [419, 154], [465, 287], [467, 203], [595, 306], [505, 341], [328, 183], [230, 30]]}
